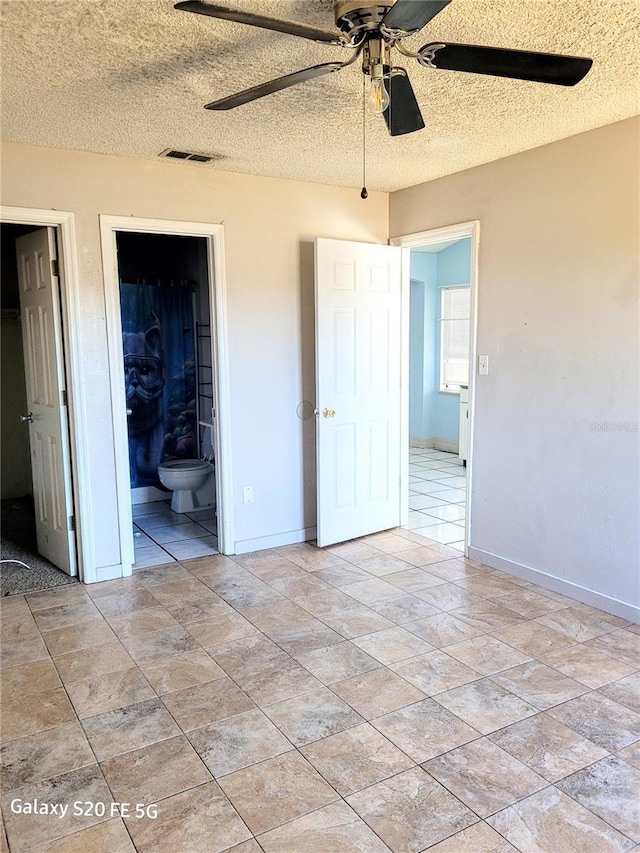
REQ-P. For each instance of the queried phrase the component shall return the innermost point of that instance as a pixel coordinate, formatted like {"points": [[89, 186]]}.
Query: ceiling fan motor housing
{"points": [[376, 57], [352, 17]]}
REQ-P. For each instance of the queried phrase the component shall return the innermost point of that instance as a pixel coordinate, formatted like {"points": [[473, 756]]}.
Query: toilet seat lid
{"points": [[184, 465]]}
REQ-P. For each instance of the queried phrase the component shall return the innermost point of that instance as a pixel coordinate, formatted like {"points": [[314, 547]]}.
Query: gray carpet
{"points": [[18, 542]]}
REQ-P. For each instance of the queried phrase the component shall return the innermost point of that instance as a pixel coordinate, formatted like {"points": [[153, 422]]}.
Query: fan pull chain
{"points": [[363, 192]]}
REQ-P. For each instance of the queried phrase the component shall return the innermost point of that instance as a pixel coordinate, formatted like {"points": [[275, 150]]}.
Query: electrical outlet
{"points": [[483, 365], [247, 494]]}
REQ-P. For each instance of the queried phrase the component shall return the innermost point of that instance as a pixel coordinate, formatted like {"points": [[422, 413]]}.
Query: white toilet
{"points": [[192, 483]]}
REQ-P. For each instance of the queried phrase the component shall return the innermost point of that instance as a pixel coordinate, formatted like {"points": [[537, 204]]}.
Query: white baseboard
{"points": [[582, 594], [424, 443], [449, 444], [244, 546], [148, 494]]}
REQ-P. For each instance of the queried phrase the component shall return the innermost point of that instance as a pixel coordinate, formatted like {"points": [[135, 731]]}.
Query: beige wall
{"points": [[269, 227], [558, 316], [555, 465]]}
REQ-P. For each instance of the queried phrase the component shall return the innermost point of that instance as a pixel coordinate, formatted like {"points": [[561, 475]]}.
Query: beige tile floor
{"points": [[385, 694]]}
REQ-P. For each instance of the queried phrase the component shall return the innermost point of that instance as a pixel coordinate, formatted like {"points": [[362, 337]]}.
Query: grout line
{"points": [[487, 632]]}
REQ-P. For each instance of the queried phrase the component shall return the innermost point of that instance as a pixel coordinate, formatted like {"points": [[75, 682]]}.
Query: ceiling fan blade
{"points": [[272, 86], [499, 62], [412, 15], [291, 27], [403, 113]]}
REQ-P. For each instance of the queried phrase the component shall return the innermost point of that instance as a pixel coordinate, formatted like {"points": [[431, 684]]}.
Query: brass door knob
{"points": [[328, 413]]}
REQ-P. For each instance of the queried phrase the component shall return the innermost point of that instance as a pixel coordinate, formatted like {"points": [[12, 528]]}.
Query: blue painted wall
{"points": [[422, 346], [454, 264], [432, 414]]}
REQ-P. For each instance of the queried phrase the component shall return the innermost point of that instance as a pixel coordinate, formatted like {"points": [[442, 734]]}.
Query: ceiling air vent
{"points": [[188, 155]]}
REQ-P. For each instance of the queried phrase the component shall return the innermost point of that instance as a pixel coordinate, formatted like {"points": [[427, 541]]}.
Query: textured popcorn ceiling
{"points": [[131, 78]]}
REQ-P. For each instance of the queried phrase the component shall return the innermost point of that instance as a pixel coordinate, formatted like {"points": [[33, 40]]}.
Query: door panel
{"points": [[358, 364], [44, 369]]}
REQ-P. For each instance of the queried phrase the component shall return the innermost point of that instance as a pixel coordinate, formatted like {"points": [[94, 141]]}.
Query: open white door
{"points": [[46, 414], [358, 374]]}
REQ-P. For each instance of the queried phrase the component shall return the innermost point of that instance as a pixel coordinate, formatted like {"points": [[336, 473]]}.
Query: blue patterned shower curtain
{"points": [[160, 375]]}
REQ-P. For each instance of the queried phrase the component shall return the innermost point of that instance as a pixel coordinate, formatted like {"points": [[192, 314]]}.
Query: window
{"points": [[455, 311]]}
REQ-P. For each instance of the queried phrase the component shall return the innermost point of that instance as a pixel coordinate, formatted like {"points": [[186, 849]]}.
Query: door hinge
{"points": [[65, 400], [72, 523], [55, 271]]}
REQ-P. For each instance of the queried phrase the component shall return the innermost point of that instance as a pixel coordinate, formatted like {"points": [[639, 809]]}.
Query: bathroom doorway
{"points": [[165, 353], [439, 342], [440, 300]]}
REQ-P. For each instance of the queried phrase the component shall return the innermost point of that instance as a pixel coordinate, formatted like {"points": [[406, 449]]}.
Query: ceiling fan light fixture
{"points": [[379, 99], [372, 31], [376, 63]]}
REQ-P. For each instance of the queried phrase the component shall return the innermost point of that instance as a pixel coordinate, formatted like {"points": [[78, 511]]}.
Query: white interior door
{"points": [[358, 374], [47, 415]]}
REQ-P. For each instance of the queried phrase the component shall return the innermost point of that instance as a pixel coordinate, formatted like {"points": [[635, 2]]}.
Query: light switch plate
{"points": [[483, 365]]}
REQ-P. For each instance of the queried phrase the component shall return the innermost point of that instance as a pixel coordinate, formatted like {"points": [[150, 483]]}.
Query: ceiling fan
{"points": [[373, 32]]}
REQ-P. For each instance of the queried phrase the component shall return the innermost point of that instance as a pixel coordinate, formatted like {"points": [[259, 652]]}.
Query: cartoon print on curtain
{"points": [[160, 376]]}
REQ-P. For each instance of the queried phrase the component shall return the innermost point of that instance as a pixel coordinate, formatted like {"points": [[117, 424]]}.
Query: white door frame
{"points": [[109, 225], [425, 238], [70, 309]]}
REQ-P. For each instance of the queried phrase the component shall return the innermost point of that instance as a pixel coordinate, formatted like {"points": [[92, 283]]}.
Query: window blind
{"points": [[455, 308]]}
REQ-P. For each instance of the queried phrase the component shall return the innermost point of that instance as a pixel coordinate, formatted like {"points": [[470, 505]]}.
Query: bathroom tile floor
{"points": [[161, 536], [437, 496], [380, 695]]}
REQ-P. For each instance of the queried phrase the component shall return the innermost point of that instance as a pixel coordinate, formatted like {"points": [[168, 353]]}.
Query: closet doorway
{"points": [[38, 515], [70, 306], [167, 348]]}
